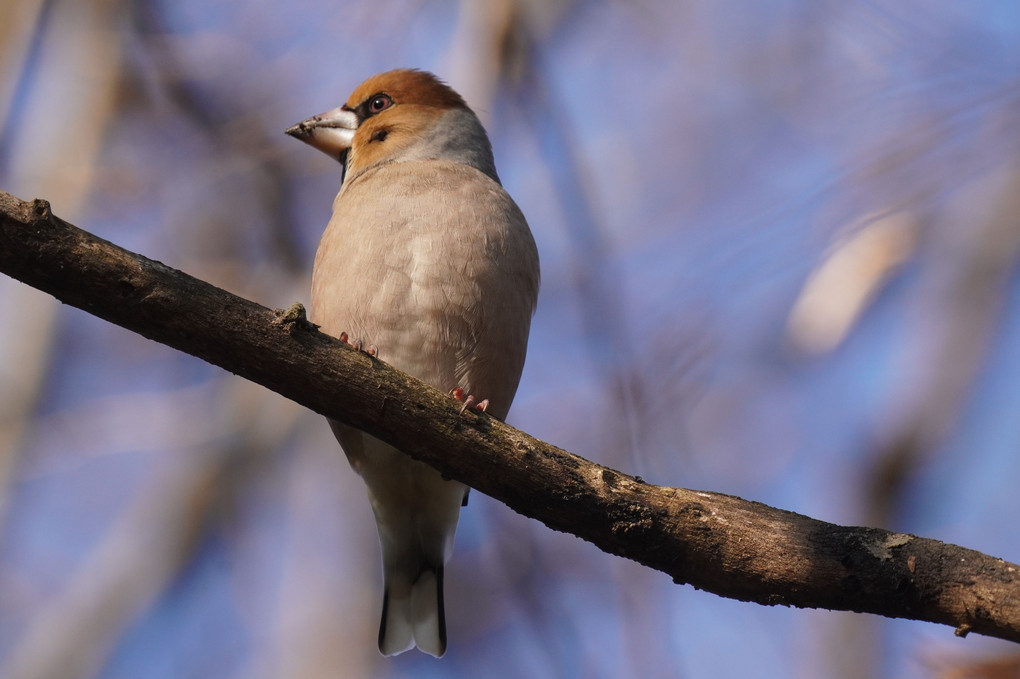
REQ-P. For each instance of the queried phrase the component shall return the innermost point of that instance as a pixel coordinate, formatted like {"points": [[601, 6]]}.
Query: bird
{"points": [[428, 264]]}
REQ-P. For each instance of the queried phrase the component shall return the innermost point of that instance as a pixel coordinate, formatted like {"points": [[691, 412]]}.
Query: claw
{"points": [[371, 349], [468, 402]]}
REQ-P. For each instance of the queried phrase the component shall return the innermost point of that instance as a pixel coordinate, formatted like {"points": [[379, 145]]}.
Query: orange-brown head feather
{"points": [[407, 86]]}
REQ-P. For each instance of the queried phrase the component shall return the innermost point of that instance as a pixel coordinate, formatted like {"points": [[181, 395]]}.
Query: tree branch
{"points": [[722, 544]]}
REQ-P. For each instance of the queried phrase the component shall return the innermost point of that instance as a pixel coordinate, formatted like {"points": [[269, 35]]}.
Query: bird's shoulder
{"points": [[406, 177], [423, 189]]}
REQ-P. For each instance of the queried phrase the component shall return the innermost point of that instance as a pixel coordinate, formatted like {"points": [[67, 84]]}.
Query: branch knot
{"points": [[293, 319]]}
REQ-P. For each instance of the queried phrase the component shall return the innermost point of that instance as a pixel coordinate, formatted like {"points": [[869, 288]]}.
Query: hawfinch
{"points": [[429, 264]]}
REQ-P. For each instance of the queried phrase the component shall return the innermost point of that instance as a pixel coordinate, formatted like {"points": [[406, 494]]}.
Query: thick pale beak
{"points": [[331, 132]]}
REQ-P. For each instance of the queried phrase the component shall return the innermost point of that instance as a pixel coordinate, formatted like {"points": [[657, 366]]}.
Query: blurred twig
{"points": [[974, 667], [325, 619], [151, 541], [19, 21], [977, 246], [75, 631], [242, 141], [78, 60]]}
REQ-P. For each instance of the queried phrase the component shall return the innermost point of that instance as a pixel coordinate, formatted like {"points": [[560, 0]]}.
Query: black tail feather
{"points": [[442, 607]]}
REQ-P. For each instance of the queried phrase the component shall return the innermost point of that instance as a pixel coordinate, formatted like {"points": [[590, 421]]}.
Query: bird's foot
{"points": [[469, 401], [371, 349]]}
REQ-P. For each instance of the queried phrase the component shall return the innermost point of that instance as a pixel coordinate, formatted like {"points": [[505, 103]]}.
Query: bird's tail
{"points": [[413, 613]]}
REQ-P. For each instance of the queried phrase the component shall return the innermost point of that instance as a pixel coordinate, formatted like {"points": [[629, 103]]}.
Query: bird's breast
{"points": [[422, 262]]}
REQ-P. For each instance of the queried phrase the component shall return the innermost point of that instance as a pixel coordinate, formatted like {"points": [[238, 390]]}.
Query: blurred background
{"points": [[779, 242]]}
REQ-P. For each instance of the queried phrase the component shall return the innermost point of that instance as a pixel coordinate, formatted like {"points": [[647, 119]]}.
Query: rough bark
{"points": [[719, 543]]}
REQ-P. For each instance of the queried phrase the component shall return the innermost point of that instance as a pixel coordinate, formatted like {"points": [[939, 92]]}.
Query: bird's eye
{"points": [[379, 102]]}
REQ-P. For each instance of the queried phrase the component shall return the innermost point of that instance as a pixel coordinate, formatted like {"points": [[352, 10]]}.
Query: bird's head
{"points": [[396, 116]]}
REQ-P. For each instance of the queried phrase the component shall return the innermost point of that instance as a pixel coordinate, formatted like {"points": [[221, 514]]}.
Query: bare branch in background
{"points": [[19, 23], [319, 608], [240, 142], [152, 539], [976, 246], [76, 630], [719, 543], [85, 69]]}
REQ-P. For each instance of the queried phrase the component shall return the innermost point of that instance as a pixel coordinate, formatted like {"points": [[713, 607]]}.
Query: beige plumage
{"points": [[427, 258]]}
